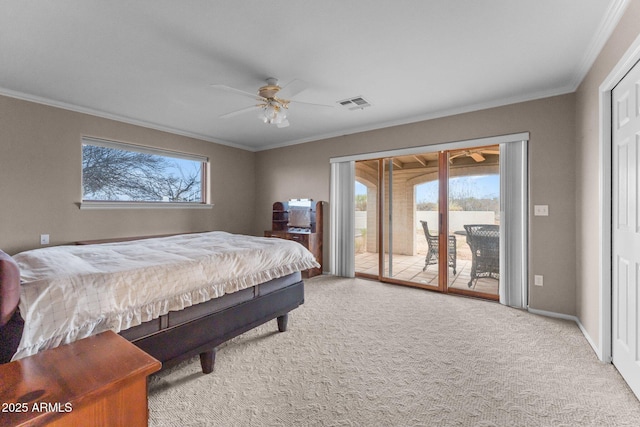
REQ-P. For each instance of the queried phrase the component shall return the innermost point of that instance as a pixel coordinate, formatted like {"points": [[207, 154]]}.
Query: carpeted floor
{"points": [[362, 353]]}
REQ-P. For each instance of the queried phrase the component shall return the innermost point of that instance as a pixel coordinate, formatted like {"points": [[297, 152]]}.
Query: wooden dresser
{"points": [[310, 237], [96, 381]]}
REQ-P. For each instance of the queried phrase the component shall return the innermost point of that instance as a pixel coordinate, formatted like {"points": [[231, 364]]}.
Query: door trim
{"points": [[443, 219], [624, 65], [453, 145]]}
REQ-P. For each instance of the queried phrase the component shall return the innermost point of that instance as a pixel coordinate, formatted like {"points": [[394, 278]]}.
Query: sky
{"points": [[480, 186], [175, 167]]}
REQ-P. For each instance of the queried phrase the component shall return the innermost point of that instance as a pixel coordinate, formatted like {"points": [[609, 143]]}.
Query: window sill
{"points": [[142, 205]]}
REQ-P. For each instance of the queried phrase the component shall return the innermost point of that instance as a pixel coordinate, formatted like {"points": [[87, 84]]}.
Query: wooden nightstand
{"points": [[100, 380]]}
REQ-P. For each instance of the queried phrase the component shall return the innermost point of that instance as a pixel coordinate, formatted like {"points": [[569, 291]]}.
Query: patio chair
{"points": [[484, 241], [432, 253]]}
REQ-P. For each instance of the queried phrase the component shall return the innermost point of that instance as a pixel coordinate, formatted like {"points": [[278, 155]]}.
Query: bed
{"points": [[175, 297]]}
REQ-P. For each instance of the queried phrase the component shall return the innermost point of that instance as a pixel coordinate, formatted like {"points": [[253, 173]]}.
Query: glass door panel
{"points": [[474, 220], [366, 218], [411, 222], [427, 227]]}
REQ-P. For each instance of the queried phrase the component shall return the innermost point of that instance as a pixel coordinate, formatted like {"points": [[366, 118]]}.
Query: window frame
{"points": [[132, 204]]}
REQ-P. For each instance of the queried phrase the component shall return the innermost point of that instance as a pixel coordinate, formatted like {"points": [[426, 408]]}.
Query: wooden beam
{"points": [[421, 160], [372, 166]]}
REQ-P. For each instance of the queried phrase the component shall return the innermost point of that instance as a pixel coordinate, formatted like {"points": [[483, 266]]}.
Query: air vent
{"points": [[355, 103]]}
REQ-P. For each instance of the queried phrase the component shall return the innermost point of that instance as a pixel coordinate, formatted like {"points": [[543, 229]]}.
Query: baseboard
{"points": [[592, 343], [575, 319]]}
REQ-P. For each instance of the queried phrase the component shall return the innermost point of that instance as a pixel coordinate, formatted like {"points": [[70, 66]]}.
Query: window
{"points": [[118, 172]]}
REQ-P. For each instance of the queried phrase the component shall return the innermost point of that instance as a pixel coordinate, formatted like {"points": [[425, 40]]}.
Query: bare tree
{"points": [[113, 174], [462, 197]]}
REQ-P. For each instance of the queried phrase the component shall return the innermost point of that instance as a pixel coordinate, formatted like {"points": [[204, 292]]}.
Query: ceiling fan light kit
{"points": [[274, 113], [272, 110]]}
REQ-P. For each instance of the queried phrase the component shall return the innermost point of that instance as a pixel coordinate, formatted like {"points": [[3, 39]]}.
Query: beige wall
{"points": [[40, 180], [303, 171], [587, 166]]}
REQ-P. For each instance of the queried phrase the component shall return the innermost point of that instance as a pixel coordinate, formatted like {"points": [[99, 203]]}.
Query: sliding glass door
{"points": [[412, 214]]}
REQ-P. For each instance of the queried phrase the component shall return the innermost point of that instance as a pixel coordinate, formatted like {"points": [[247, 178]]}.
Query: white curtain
{"points": [[513, 224], [342, 225]]}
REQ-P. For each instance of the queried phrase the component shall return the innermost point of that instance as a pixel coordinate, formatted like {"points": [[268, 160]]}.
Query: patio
{"points": [[409, 268]]}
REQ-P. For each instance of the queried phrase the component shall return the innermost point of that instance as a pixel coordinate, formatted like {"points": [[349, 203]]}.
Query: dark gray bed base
{"points": [[199, 329]]}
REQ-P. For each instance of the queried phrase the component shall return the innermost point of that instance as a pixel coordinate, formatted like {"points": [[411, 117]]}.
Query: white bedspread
{"points": [[72, 292]]}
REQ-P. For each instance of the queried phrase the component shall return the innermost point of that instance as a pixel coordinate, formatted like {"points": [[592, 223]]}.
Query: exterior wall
{"points": [[402, 214], [40, 180], [457, 219], [588, 162], [303, 171]]}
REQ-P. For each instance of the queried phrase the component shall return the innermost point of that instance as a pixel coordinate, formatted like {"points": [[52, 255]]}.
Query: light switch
{"points": [[541, 210]]}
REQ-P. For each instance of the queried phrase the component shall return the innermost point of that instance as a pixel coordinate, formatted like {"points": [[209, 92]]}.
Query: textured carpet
{"points": [[362, 353]]}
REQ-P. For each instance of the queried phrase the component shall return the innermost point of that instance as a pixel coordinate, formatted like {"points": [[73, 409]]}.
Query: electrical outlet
{"points": [[541, 210], [44, 239], [538, 280]]}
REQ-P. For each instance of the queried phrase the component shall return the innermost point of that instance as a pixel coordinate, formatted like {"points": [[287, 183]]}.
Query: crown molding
{"points": [[600, 38], [116, 117], [361, 129]]}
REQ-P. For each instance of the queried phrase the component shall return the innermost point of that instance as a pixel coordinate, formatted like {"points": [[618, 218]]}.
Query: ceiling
{"points": [[153, 62]]}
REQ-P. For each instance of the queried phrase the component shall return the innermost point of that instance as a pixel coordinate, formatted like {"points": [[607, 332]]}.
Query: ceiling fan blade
{"points": [[238, 112], [495, 152], [477, 157], [454, 156], [292, 88], [311, 104], [240, 92]]}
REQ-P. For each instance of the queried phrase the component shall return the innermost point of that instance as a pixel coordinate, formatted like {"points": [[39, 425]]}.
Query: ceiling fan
{"points": [[272, 107], [476, 155]]}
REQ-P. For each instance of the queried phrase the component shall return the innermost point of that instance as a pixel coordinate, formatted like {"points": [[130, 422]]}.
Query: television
{"points": [[300, 214]]}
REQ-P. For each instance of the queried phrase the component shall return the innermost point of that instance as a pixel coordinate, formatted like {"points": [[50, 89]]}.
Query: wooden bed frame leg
{"points": [[207, 360], [282, 322]]}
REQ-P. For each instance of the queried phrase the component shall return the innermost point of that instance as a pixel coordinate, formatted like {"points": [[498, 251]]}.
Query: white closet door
{"points": [[626, 228]]}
